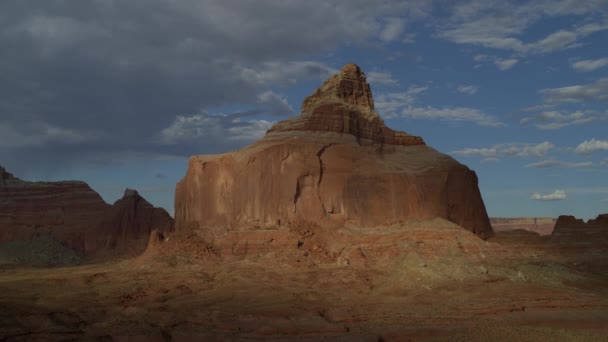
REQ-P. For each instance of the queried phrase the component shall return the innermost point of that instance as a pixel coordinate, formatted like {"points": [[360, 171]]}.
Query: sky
{"points": [[120, 93]]}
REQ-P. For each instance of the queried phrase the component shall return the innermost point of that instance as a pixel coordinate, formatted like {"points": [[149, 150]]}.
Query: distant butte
{"points": [[335, 164], [74, 215]]}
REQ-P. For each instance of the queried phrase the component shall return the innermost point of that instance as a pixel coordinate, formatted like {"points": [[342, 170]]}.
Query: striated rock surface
{"points": [[540, 225], [68, 211], [129, 223], [335, 165], [569, 229], [73, 214]]}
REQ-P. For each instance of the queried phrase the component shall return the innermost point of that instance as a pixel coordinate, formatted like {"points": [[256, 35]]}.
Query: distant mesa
{"points": [[74, 215], [569, 229], [336, 164]]}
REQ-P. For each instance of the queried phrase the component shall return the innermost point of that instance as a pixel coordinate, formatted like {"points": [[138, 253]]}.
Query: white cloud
{"points": [[401, 104], [505, 64], [452, 114], [467, 89], [385, 78], [393, 28], [595, 92], [389, 105], [553, 119], [523, 150], [40, 134], [555, 196], [499, 24], [590, 146], [286, 72], [557, 163], [590, 64], [274, 104], [215, 129], [501, 63]]}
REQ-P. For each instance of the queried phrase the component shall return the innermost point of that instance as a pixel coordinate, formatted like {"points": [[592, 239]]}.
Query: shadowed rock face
{"points": [[569, 229], [128, 224], [336, 164], [76, 216]]}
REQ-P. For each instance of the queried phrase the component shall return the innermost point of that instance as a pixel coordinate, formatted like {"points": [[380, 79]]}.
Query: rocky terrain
{"points": [[333, 227], [74, 216], [336, 164]]}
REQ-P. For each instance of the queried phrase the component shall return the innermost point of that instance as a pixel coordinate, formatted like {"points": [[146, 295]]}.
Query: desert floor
{"points": [[510, 288]]}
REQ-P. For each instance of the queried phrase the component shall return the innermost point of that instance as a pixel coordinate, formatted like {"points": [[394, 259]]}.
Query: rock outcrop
{"points": [[128, 224], [73, 214], [569, 229], [540, 225], [335, 165]]}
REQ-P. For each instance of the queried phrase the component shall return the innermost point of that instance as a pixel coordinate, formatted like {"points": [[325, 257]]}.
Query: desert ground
{"points": [[419, 281]]}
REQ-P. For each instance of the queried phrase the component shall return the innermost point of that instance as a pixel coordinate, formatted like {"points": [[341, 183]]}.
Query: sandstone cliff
{"points": [[569, 229], [73, 214], [335, 165]]}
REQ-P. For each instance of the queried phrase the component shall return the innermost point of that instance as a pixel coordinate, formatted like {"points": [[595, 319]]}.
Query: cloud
{"points": [[499, 24], [555, 196], [402, 104], [592, 92], [384, 78], [392, 30], [557, 163], [467, 89], [452, 114], [591, 146], [36, 134], [501, 63], [285, 73], [274, 104], [553, 119], [523, 150], [590, 64], [505, 64], [214, 129]]}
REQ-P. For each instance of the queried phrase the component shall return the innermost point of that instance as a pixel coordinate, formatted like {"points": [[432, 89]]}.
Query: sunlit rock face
{"points": [[335, 164]]}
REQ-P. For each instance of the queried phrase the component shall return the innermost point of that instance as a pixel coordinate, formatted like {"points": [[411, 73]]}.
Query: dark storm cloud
{"points": [[101, 76]]}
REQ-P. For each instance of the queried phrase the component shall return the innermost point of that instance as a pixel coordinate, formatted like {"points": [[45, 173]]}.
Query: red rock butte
{"points": [[336, 164]]}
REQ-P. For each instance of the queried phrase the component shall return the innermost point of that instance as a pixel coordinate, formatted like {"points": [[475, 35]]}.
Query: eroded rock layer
{"points": [[569, 229], [336, 164], [76, 216]]}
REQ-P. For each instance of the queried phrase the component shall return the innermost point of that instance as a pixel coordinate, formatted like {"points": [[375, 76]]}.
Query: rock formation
{"points": [[569, 229], [335, 165], [129, 222], [540, 225], [68, 211], [76, 216]]}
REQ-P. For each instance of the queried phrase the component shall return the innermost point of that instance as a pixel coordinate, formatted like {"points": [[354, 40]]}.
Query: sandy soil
{"points": [[404, 286]]}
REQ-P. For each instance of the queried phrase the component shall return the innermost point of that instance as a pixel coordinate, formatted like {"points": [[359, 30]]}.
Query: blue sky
{"points": [[120, 93]]}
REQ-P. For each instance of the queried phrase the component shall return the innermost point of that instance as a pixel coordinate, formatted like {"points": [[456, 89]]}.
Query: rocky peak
{"points": [[344, 104], [348, 87], [130, 193]]}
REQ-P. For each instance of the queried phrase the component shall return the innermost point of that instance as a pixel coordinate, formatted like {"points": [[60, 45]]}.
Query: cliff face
{"points": [[68, 211], [336, 164], [76, 216], [569, 229], [128, 224]]}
